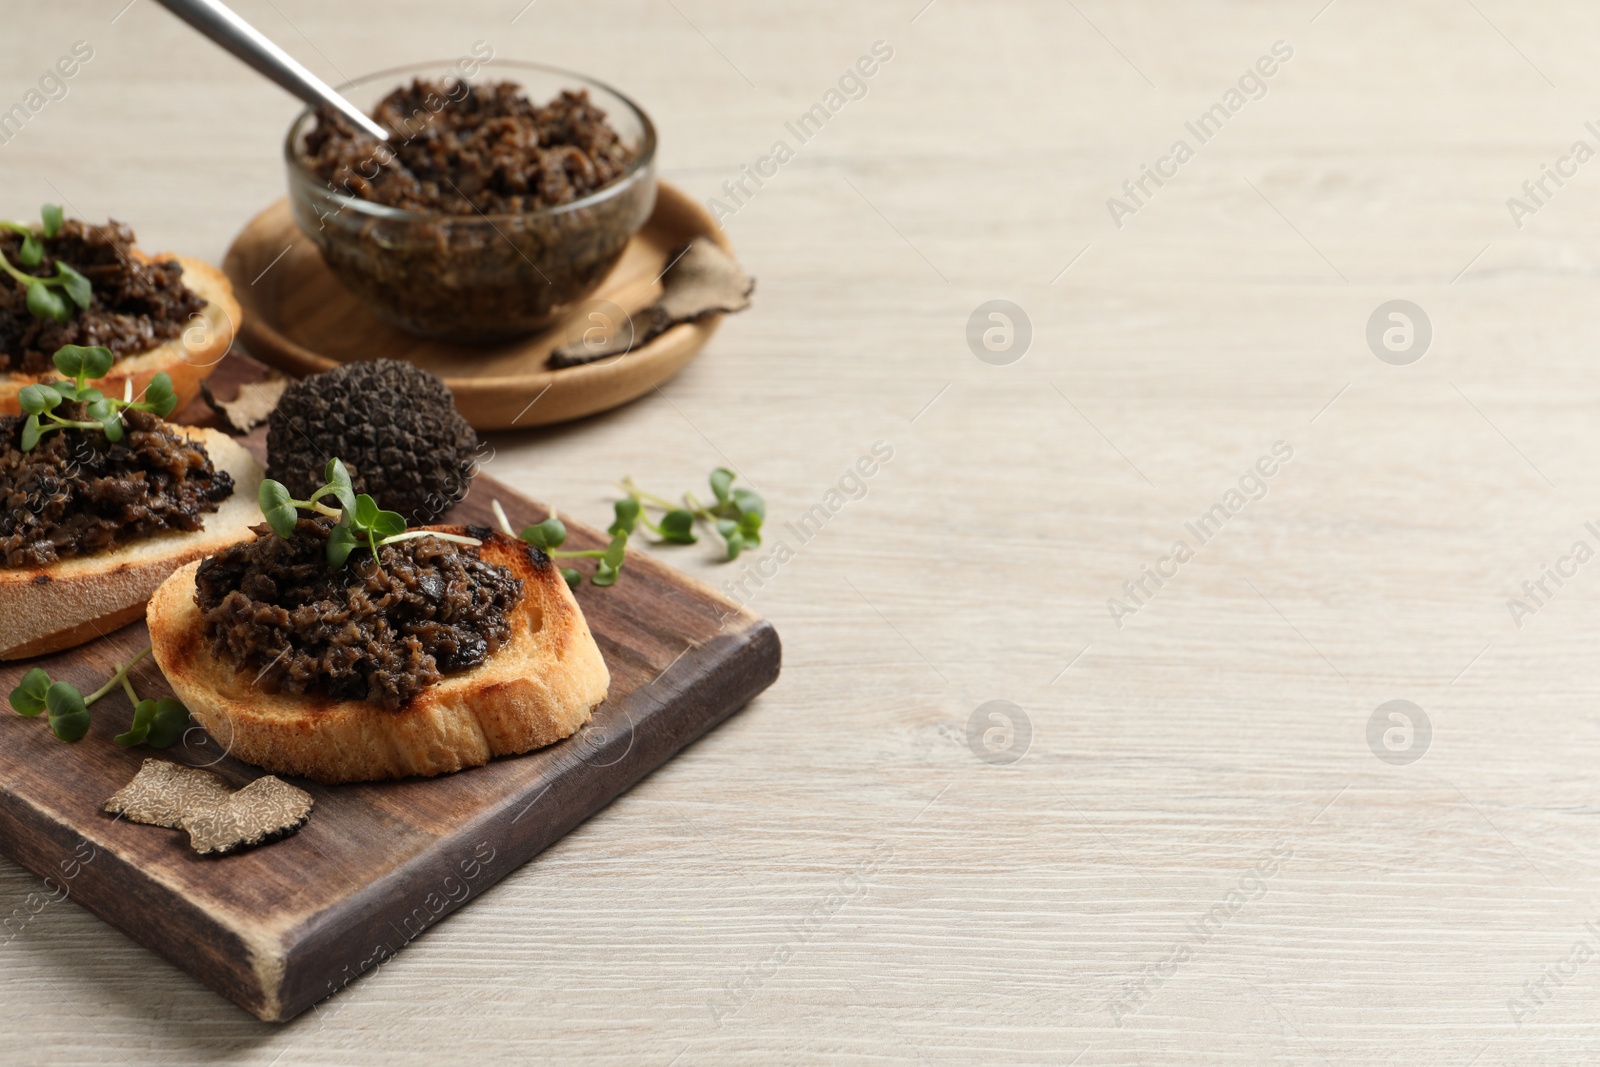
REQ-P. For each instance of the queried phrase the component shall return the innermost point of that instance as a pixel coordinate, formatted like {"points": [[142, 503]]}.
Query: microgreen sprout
{"points": [[159, 723], [548, 536], [361, 521], [81, 366], [736, 517], [44, 301]]}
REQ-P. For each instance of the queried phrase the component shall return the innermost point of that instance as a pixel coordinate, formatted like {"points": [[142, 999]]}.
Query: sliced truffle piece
{"points": [[393, 424], [265, 810], [703, 280], [252, 405], [218, 820], [163, 792]]}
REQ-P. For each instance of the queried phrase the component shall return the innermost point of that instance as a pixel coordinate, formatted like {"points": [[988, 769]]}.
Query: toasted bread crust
{"points": [[540, 687], [73, 636], [46, 609], [188, 358]]}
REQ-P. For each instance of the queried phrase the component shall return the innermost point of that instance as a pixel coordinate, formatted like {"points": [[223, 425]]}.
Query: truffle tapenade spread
{"points": [[77, 494], [461, 149], [136, 305], [357, 632]]}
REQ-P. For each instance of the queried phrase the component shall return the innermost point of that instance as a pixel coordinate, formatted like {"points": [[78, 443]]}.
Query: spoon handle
{"points": [[218, 22]]}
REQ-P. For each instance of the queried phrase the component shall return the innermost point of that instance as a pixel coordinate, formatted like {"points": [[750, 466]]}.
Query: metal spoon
{"points": [[223, 26]]}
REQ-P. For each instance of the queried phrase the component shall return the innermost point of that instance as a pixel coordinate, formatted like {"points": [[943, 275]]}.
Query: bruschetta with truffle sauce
{"points": [[342, 646], [69, 282], [103, 499]]}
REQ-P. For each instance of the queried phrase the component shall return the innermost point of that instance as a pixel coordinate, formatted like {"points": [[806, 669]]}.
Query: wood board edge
{"points": [[361, 933], [160, 918]]}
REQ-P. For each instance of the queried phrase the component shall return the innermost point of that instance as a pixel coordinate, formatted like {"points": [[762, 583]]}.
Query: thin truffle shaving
{"points": [[219, 820]]}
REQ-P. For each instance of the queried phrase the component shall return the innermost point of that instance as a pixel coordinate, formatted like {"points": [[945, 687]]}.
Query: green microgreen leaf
{"points": [[677, 527], [752, 511], [159, 396], [604, 575], [387, 524], [169, 725], [43, 301], [97, 362], [38, 399], [628, 509], [721, 479], [278, 507], [551, 533], [750, 505], [46, 303], [339, 485], [77, 288], [572, 577], [361, 520], [144, 714], [161, 723], [80, 364], [737, 514], [555, 531], [365, 512], [78, 361], [69, 715], [615, 552], [29, 695], [341, 542], [69, 360]]}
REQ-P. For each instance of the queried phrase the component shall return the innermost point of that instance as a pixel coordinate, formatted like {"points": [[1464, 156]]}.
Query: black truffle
{"points": [[393, 424]]}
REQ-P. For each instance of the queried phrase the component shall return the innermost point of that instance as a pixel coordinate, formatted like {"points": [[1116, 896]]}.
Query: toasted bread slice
{"points": [[188, 358], [46, 609], [539, 687]]}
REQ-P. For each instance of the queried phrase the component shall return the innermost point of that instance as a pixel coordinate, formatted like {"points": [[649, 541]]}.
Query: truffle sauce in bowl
{"points": [[498, 204]]}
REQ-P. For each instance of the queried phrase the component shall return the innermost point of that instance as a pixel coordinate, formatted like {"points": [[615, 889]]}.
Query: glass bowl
{"points": [[476, 278]]}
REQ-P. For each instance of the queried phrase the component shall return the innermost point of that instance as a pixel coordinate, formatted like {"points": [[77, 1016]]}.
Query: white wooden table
{"points": [[1198, 857]]}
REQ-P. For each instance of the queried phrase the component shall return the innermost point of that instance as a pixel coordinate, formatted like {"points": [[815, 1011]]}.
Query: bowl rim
{"points": [[640, 168]]}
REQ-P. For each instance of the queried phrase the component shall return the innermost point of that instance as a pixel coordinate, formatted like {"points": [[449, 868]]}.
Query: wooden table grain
{"points": [[1195, 832]]}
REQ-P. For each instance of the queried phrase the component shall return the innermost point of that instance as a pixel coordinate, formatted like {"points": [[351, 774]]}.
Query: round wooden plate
{"points": [[300, 318]]}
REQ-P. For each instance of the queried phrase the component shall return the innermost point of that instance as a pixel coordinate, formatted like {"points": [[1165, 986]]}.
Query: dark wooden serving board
{"points": [[279, 928]]}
